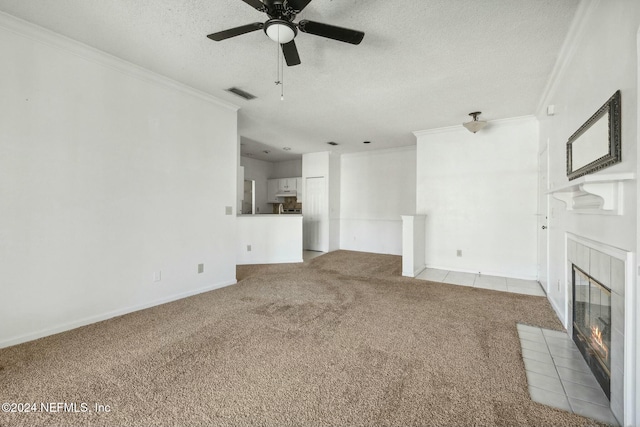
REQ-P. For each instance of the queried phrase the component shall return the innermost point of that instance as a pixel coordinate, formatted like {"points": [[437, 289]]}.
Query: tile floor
{"points": [[307, 255], [505, 284], [558, 376]]}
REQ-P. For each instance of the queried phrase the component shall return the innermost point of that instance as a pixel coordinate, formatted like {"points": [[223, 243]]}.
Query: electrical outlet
{"points": [[248, 248], [459, 252], [200, 268], [157, 276]]}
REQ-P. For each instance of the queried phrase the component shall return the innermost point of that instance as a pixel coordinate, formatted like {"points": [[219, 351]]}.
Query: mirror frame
{"points": [[612, 109]]}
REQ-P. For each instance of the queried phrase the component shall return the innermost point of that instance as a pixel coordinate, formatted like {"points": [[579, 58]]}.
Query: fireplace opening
{"points": [[592, 325]]}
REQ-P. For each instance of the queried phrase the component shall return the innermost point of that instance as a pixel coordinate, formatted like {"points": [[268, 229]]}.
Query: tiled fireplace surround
{"points": [[608, 265]]}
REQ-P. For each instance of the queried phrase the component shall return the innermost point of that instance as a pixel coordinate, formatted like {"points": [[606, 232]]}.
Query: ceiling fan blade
{"points": [[331, 31], [237, 31], [298, 5], [256, 4], [290, 52]]}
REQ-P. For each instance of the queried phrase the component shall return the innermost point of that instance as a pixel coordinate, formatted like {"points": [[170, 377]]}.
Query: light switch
{"points": [[228, 210]]}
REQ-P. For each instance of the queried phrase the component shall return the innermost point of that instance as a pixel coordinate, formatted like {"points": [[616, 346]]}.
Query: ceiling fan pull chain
{"points": [[282, 78], [277, 64], [280, 67]]}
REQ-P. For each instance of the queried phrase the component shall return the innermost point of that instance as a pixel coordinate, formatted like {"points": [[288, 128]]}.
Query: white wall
{"points": [[479, 192], [108, 174], [606, 47], [273, 239], [287, 169], [413, 254], [377, 187], [260, 171], [600, 57]]}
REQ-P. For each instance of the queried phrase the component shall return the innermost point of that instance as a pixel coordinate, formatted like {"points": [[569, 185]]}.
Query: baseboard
{"points": [[484, 273], [108, 315], [416, 272], [556, 309], [280, 261]]}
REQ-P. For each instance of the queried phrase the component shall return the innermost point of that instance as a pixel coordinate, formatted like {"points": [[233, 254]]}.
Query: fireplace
{"points": [[592, 325], [598, 274]]}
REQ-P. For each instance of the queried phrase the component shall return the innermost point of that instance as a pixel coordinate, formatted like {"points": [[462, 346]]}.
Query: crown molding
{"points": [[58, 41], [576, 31], [379, 151], [460, 128]]}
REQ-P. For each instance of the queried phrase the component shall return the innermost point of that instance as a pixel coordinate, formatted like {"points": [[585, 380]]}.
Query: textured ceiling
{"points": [[423, 63]]}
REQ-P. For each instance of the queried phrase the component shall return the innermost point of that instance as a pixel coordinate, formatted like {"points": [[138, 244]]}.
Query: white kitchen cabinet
{"points": [[283, 187], [272, 190], [287, 185]]}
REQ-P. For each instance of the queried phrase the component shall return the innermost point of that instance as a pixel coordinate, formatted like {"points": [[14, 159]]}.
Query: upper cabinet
{"points": [[287, 185], [277, 189]]}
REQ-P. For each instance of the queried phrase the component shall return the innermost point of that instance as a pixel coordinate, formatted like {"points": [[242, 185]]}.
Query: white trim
{"points": [[482, 273], [108, 315], [629, 259], [567, 52], [372, 219], [558, 312], [631, 355], [268, 261], [458, 128], [632, 299], [600, 194], [618, 253], [380, 151], [52, 39]]}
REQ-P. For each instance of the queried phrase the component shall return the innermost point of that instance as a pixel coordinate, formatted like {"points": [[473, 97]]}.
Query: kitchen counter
{"points": [[267, 215], [269, 239]]}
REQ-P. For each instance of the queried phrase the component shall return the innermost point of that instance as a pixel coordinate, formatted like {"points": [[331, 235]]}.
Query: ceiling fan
{"points": [[281, 28]]}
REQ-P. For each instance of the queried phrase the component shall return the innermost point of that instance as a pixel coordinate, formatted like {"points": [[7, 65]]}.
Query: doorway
{"points": [[543, 218], [249, 199]]}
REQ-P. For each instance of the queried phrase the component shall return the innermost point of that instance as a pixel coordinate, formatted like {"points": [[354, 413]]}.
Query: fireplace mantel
{"points": [[594, 194]]}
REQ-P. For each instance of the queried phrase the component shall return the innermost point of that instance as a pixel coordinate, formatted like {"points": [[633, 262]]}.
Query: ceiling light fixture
{"points": [[280, 31], [475, 125], [367, 142], [287, 148], [332, 143]]}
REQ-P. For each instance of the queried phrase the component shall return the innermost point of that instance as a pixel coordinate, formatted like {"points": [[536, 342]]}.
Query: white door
{"points": [[543, 218], [315, 215]]}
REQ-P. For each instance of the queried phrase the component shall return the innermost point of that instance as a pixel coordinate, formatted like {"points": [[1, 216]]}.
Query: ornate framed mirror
{"points": [[597, 144]]}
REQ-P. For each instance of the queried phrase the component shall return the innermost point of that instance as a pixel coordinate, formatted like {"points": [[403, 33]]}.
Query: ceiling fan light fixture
{"points": [[475, 125], [280, 31]]}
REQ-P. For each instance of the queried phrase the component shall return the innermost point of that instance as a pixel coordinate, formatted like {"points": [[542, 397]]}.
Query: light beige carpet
{"points": [[342, 340]]}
